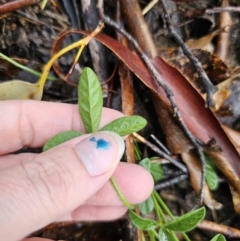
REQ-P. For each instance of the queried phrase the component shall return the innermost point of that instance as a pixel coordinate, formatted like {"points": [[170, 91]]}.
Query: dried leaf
{"points": [[127, 95], [203, 42], [236, 199], [17, 89], [214, 67]]}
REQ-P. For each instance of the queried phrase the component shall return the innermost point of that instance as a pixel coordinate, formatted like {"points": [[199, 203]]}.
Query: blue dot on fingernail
{"points": [[101, 144]]}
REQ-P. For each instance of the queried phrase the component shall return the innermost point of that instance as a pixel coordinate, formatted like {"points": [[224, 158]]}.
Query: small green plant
{"points": [[90, 103]]}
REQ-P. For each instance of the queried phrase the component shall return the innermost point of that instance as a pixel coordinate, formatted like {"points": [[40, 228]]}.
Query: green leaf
{"points": [[142, 223], [156, 171], [126, 125], [90, 100], [211, 176], [60, 138], [146, 163], [218, 237], [164, 235], [154, 168], [147, 206], [187, 221]]}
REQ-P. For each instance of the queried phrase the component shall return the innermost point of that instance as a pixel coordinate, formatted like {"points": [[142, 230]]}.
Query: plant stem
{"points": [[158, 210], [162, 203], [43, 4], [13, 62], [120, 195], [151, 235], [160, 213], [142, 236], [155, 233], [185, 236], [166, 209], [82, 43]]}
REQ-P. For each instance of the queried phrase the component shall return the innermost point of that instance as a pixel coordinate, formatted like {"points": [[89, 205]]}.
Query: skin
{"points": [[37, 189]]}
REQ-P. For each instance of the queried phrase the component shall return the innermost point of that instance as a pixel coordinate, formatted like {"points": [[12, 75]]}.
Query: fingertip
{"points": [[135, 182], [98, 213], [100, 152]]}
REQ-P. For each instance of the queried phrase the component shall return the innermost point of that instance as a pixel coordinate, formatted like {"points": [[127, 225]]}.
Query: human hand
{"points": [[64, 183]]}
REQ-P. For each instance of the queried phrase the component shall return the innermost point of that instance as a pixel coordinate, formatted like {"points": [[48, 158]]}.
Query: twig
{"points": [[161, 153], [222, 9], [164, 31], [149, 6], [161, 145], [170, 182], [166, 89], [209, 87], [15, 5], [138, 27], [220, 228], [223, 43]]}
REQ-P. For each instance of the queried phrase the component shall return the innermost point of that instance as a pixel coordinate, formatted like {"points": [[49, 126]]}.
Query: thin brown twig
{"points": [[161, 153], [223, 42], [219, 228], [222, 9], [209, 87], [167, 183], [15, 5], [164, 148]]}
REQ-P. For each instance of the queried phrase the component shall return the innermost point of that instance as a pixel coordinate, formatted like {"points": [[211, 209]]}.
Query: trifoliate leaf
{"points": [[187, 221], [147, 206], [90, 100], [218, 237], [60, 138], [126, 125], [142, 223]]}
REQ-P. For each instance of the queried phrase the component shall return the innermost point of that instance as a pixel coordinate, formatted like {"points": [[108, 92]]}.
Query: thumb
{"points": [[49, 185]]}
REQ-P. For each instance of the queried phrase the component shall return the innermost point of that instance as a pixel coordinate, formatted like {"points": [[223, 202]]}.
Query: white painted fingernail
{"points": [[100, 151]]}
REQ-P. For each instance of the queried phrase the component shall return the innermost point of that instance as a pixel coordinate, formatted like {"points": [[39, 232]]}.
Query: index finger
{"points": [[31, 123]]}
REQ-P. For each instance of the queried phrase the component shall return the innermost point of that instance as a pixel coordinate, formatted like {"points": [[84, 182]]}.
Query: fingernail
{"points": [[100, 151]]}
